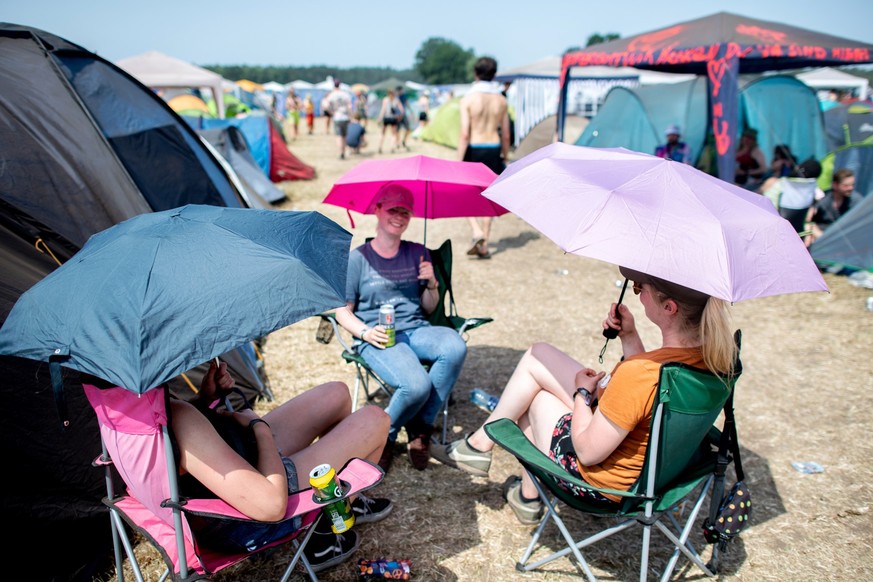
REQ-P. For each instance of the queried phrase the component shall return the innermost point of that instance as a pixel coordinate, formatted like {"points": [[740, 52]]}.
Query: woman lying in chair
{"points": [[600, 435], [388, 270], [286, 454]]}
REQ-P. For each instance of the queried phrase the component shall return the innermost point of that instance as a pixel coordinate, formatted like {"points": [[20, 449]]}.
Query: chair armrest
{"points": [[464, 324], [330, 317], [508, 435], [358, 473]]}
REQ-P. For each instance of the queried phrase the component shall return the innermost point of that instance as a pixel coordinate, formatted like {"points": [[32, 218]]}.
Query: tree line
{"points": [[438, 61]]}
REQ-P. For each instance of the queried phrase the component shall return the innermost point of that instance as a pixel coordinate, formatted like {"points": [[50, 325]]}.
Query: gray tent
{"points": [[84, 146], [849, 240], [231, 144]]}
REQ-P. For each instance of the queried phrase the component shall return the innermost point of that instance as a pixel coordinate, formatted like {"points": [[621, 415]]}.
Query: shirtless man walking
{"points": [[484, 137]]}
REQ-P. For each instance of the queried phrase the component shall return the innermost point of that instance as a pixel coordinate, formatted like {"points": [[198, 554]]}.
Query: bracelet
{"points": [[255, 421], [364, 331]]}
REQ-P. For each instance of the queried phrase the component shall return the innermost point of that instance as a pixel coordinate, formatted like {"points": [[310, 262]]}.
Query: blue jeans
{"points": [[418, 392]]}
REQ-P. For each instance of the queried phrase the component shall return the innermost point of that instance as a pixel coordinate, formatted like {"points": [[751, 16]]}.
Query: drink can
{"points": [[326, 486], [386, 320]]}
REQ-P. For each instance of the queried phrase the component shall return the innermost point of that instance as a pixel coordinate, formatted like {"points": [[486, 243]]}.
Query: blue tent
{"points": [[635, 118], [784, 110], [781, 108]]}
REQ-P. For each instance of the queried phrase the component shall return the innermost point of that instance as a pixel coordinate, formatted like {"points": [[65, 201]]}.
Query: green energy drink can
{"points": [[326, 486], [386, 320]]}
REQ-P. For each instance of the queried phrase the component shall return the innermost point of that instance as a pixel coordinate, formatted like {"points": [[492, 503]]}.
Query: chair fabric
{"points": [[680, 459], [445, 314], [136, 441]]}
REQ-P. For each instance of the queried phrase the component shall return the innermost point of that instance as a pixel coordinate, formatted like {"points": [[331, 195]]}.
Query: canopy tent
{"points": [[103, 149], [720, 46], [159, 71]]}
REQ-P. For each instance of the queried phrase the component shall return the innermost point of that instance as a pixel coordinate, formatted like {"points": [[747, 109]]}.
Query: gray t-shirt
{"points": [[374, 280]]}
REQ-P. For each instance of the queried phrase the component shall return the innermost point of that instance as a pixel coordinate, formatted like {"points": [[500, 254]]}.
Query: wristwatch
{"points": [[587, 396]]}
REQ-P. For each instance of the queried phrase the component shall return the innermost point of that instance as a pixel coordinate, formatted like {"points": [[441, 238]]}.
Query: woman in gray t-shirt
{"points": [[388, 270]]}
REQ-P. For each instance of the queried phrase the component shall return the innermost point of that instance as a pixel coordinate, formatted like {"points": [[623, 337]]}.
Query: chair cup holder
{"points": [[346, 487]]}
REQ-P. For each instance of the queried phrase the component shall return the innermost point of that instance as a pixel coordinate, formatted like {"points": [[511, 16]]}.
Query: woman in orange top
{"points": [[600, 435]]}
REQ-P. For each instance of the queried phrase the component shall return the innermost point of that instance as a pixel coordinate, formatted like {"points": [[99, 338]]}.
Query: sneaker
{"points": [[370, 509], [527, 512], [327, 550], [461, 455]]}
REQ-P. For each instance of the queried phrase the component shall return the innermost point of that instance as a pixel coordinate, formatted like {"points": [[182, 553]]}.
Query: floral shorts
{"points": [[563, 453]]}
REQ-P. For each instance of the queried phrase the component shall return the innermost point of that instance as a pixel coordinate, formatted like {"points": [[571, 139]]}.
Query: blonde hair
{"points": [[712, 324]]}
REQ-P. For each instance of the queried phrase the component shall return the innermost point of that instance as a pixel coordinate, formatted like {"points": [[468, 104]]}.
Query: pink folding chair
{"points": [[136, 442]]}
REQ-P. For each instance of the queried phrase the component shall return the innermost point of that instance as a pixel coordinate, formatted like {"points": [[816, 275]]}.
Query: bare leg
{"points": [[542, 368], [538, 425], [324, 412]]}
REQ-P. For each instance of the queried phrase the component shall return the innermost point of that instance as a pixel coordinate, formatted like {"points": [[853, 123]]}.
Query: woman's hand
{"points": [[425, 272], [376, 336], [622, 322], [217, 382], [588, 378]]}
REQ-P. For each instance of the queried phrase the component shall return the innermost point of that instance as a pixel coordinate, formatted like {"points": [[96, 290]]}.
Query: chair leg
{"points": [[298, 555], [572, 546], [445, 415], [118, 526], [681, 543]]}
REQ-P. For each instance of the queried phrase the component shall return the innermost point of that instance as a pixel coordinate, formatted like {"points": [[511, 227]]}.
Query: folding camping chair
{"points": [[445, 314], [680, 457], [136, 441]]}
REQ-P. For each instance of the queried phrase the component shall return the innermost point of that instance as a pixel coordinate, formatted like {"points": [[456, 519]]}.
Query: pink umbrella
{"points": [[660, 217], [441, 188]]}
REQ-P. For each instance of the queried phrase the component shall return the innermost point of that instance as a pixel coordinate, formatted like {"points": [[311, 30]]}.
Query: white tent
{"points": [[536, 86], [274, 87], [159, 71], [827, 78]]}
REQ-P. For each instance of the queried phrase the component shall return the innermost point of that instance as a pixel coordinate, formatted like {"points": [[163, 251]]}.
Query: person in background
{"points": [[356, 135], [390, 114], [339, 107], [599, 434], [388, 270], [484, 137], [292, 111], [325, 110], [674, 149], [403, 122], [424, 108], [795, 194], [783, 161], [751, 162], [361, 107], [309, 108], [841, 198]]}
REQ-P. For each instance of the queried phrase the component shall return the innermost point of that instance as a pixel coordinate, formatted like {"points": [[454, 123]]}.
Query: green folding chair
{"points": [[680, 459], [445, 314]]}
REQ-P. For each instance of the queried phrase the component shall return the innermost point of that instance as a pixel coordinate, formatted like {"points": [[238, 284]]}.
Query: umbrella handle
{"points": [[610, 333]]}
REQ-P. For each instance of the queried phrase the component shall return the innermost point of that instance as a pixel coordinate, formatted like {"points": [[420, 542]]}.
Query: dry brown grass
{"points": [[805, 395]]}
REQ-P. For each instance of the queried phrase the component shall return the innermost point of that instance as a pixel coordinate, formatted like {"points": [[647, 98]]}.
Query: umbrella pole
{"points": [[426, 188], [610, 333]]}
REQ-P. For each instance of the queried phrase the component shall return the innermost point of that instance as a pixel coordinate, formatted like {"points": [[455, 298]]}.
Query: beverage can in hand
{"points": [[326, 486], [386, 320]]}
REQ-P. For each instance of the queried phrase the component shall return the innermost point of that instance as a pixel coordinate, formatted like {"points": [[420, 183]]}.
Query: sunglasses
{"points": [[638, 288]]}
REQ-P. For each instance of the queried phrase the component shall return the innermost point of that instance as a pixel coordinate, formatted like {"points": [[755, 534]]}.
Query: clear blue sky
{"points": [[345, 34]]}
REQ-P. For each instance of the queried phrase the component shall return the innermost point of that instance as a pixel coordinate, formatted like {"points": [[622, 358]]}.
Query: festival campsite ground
{"points": [[804, 396]]}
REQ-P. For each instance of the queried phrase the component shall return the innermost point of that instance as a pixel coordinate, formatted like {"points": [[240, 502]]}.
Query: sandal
{"points": [[476, 249]]}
